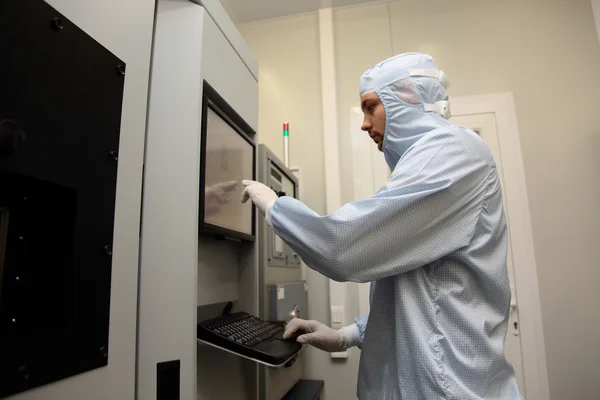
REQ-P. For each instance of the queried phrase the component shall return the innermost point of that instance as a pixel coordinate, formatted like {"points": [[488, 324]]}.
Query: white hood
{"points": [[413, 92]]}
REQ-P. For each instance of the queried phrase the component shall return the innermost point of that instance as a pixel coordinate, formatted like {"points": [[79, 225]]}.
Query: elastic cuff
{"points": [[351, 335], [268, 212]]}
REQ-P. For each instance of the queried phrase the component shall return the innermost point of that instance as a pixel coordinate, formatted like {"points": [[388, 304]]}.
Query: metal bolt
{"points": [[114, 155], [104, 351], [20, 237], [108, 250], [57, 24], [121, 69], [17, 278], [14, 321]]}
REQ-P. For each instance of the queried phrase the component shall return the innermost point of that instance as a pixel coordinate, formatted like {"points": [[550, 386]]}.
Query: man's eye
{"points": [[371, 107]]}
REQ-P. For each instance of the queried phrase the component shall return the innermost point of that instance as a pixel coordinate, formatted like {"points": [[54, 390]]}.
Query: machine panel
{"points": [[60, 117], [276, 176], [282, 292]]}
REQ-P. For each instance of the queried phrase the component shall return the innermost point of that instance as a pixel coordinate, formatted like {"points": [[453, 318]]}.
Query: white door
{"points": [[485, 126], [371, 172]]}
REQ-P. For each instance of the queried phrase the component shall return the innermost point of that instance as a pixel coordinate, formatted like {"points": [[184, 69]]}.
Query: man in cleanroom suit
{"points": [[433, 240]]}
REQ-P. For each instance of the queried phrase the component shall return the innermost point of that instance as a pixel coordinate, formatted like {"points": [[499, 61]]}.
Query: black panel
{"points": [[60, 115], [167, 380], [305, 389]]}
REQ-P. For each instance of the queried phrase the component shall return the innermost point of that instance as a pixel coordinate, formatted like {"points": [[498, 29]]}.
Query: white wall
{"points": [[126, 30], [290, 90], [356, 51], [528, 48]]}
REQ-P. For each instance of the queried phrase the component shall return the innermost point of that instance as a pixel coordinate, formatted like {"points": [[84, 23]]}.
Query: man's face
{"points": [[374, 122]]}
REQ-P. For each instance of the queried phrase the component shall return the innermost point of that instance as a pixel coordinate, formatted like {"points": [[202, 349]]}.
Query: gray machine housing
{"points": [[287, 300], [283, 293]]}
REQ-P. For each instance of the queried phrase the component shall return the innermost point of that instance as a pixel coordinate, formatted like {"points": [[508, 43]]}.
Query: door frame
{"points": [[519, 221], [520, 233]]}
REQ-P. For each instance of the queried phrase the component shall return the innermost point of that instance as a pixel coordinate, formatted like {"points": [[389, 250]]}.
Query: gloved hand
{"points": [[316, 334], [260, 194]]}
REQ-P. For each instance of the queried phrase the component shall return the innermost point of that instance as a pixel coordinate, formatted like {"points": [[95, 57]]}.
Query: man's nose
{"points": [[366, 125]]}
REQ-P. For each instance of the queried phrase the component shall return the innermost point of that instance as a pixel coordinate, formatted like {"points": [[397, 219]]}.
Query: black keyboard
{"points": [[249, 336]]}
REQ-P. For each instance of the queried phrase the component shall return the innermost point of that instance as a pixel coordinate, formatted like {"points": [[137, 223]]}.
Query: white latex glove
{"points": [[316, 334], [260, 194]]}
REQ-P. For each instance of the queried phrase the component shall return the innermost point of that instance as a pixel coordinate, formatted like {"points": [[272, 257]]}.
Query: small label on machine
{"points": [[278, 244], [280, 292]]}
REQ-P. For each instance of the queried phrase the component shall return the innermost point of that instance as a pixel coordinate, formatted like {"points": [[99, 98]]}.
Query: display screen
{"points": [[229, 159]]}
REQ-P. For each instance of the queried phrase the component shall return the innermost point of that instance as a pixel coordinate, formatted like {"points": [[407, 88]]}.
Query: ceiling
{"points": [[243, 11]]}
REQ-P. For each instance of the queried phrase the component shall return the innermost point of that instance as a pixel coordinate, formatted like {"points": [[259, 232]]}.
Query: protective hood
{"points": [[413, 93]]}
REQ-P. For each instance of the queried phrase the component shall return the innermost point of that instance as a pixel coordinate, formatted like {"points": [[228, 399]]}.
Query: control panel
{"points": [[280, 254]]}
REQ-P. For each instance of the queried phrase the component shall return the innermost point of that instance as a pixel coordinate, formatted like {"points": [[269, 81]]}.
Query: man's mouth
{"points": [[378, 139]]}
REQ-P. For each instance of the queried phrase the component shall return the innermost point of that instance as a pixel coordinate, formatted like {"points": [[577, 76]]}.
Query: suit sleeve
{"points": [[428, 209]]}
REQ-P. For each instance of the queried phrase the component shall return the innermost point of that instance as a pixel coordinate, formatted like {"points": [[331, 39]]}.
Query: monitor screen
{"points": [[228, 160]]}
